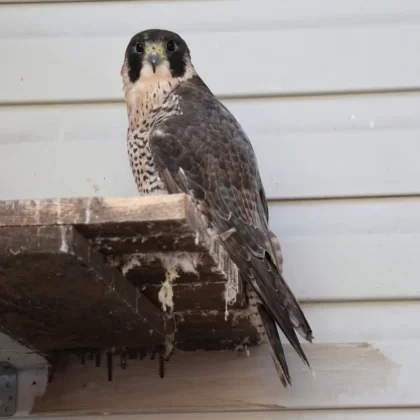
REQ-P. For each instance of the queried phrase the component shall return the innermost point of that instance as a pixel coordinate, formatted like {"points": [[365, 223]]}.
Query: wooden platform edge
{"points": [[67, 240], [93, 210]]}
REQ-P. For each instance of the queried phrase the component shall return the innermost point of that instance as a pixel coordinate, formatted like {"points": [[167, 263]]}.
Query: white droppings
{"points": [[241, 314], [166, 293], [57, 203], [132, 262], [88, 210], [211, 312], [195, 285], [243, 346], [231, 287], [64, 246], [372, 124], [185, 261], [226, 267]]}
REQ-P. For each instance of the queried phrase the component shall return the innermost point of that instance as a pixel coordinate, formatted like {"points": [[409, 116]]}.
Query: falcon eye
{"points": [[139, 47], [171, 46]]}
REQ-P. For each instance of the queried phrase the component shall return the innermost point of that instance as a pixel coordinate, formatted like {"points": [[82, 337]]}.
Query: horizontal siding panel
{"points": [[361, 145], [84, 62], [356, 362], [208, 14], [354, 249], [359, 322], [381, 414]]}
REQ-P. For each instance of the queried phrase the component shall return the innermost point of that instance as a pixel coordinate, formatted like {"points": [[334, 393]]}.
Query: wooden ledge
{"points": [[85, 273]]}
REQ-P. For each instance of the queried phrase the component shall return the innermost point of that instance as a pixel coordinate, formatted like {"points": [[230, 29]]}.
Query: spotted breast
{"points": [[152, 103]]}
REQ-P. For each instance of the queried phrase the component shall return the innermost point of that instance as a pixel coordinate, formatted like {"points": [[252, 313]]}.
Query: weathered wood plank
{"points": [[356, 363], [92, 211], [48, 235], [57, 293], [347, 375]]}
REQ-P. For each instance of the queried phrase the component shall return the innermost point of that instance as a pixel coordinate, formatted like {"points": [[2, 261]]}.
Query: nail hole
{"points": [[33, 383]]}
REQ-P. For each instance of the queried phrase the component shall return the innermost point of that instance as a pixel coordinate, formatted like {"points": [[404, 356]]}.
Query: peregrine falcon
{"points": [[181, 138]]}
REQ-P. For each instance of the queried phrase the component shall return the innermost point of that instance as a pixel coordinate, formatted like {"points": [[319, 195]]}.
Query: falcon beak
{"points": [[154, 59]]}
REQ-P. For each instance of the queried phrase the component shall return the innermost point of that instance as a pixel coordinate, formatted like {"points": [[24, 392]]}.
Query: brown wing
{"points": [[208, 155]]}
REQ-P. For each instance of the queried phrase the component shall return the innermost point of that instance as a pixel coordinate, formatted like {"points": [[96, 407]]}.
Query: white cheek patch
{"points": [[162, 72]]}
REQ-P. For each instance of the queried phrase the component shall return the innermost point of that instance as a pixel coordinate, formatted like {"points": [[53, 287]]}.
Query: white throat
{"points": [[150, 90]]}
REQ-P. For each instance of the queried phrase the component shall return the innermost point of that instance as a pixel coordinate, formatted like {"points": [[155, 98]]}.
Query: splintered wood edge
{"points": [[93, 210], [66, 239]]}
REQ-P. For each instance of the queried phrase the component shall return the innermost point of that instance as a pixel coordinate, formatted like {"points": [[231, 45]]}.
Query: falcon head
{"points": [[155, 54]]}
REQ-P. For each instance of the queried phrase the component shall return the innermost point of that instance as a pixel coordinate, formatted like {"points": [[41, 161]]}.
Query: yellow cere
{"points": [[158, 47]]}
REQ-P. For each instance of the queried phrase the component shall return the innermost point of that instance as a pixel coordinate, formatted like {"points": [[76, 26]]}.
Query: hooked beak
{"points": [[154, 59]]}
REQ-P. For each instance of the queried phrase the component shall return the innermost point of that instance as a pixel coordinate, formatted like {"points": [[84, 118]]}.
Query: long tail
{"points": [[276, 347]]}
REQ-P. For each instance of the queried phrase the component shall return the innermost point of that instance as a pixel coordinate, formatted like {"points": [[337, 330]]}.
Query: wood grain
{"points": [[82, 248], [346, 375], [57, 293], [356, 363], [92, 211]]}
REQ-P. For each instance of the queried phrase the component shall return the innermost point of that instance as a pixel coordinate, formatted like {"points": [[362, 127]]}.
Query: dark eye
{"points": [[139, 47], [171, 46]]}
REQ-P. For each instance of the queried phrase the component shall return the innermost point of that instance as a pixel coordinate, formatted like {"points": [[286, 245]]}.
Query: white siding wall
{"points": [[329, 93]]}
